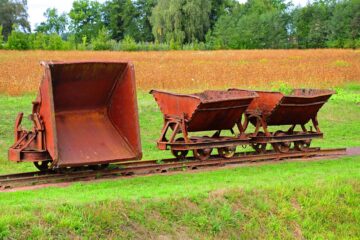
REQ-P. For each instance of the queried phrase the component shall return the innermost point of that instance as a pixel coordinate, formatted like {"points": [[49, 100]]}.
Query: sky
{"points": [[36, 8]]}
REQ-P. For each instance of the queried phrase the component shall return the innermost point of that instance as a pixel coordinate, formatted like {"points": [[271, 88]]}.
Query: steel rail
{"points": [[155, 166]]}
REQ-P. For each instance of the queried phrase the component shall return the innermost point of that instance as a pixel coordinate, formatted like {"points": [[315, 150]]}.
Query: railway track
{"points": [[124, 169]]}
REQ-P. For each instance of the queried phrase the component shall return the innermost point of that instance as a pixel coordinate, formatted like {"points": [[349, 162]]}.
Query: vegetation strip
{"points": [[153, 167]]}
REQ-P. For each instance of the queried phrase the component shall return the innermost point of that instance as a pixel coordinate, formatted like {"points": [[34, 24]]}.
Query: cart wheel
{"points": [[282, 147], [99, 166], [227, 152], [259, 147], [179, 154], [303, 145], [202, 154], [43, 165]]}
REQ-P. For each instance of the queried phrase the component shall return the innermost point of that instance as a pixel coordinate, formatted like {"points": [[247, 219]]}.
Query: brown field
{"points": [[20, 71]]}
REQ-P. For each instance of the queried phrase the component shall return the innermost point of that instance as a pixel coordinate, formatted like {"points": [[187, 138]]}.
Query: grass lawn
{"points": [[286, 200]]}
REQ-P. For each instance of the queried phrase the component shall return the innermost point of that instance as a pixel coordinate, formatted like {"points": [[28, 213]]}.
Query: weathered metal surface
{"points": [[206, 111], [277, 109], [88, 111], [298, 108], [209, 110]]}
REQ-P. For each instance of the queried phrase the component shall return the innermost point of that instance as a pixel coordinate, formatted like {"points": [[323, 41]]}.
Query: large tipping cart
{"points": [[85, 114], [213, 111], [277, 109]]}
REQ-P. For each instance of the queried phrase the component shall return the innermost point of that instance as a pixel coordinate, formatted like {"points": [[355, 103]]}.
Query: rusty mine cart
{"points": [[277, 109], [210, 111], [85, 113]]}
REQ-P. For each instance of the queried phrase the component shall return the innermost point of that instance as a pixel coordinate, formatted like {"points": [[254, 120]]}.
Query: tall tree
{"points": [[255, 24], [54, 23], [219, 8], [345, 23], [311, 24], [14, 12], [144, 9], [121, 18], [181, 20], [86, 19]]}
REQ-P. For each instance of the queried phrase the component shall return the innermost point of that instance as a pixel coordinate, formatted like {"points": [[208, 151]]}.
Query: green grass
{"points": [[311, 200]]}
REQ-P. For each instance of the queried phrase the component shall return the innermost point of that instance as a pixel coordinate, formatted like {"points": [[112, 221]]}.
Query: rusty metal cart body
{"points": [[85, 114], [277, 109], [207, 111]]}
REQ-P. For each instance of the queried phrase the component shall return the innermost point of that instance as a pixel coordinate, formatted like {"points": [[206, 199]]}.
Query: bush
{"points": [[55, 42], [102, 41], [83, 44], [39, 41], [18, 41], [1, 37], [128, 44]]}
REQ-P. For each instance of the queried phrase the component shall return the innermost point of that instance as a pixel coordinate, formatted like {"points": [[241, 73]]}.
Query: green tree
{"points": [[219, 8], [144, 9], [197, 21], [311, 24], [86, 19], [181, 21], [54, 23], [255, 24], [344, 27], [121, 18], [14, 12]]}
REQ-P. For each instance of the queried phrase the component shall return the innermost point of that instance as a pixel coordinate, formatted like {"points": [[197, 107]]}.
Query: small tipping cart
{"points": [[85, 114], [207, 111], [277, 109]]}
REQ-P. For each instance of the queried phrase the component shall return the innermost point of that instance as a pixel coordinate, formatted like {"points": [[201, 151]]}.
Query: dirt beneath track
{"points": [[349, 152], [353, 151]]}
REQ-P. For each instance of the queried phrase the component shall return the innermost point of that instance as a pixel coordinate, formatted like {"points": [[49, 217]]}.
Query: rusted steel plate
{"points": [[209, 110], [89, 112]]}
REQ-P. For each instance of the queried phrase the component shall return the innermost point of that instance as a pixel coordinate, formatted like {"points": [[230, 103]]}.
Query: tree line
{"points": [[183, 24]]}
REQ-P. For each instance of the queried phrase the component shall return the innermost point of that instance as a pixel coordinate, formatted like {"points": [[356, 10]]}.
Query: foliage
{"points": [[344, 24], [144, 10], [128, 44], [55, 42], [327, 24], [39, 41], [18, 41], [195, 24], [121, 19], [13, 12], [255, 24], [85, 19], [181, 21], [54, 23], [102, 40], [1, 37]]}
